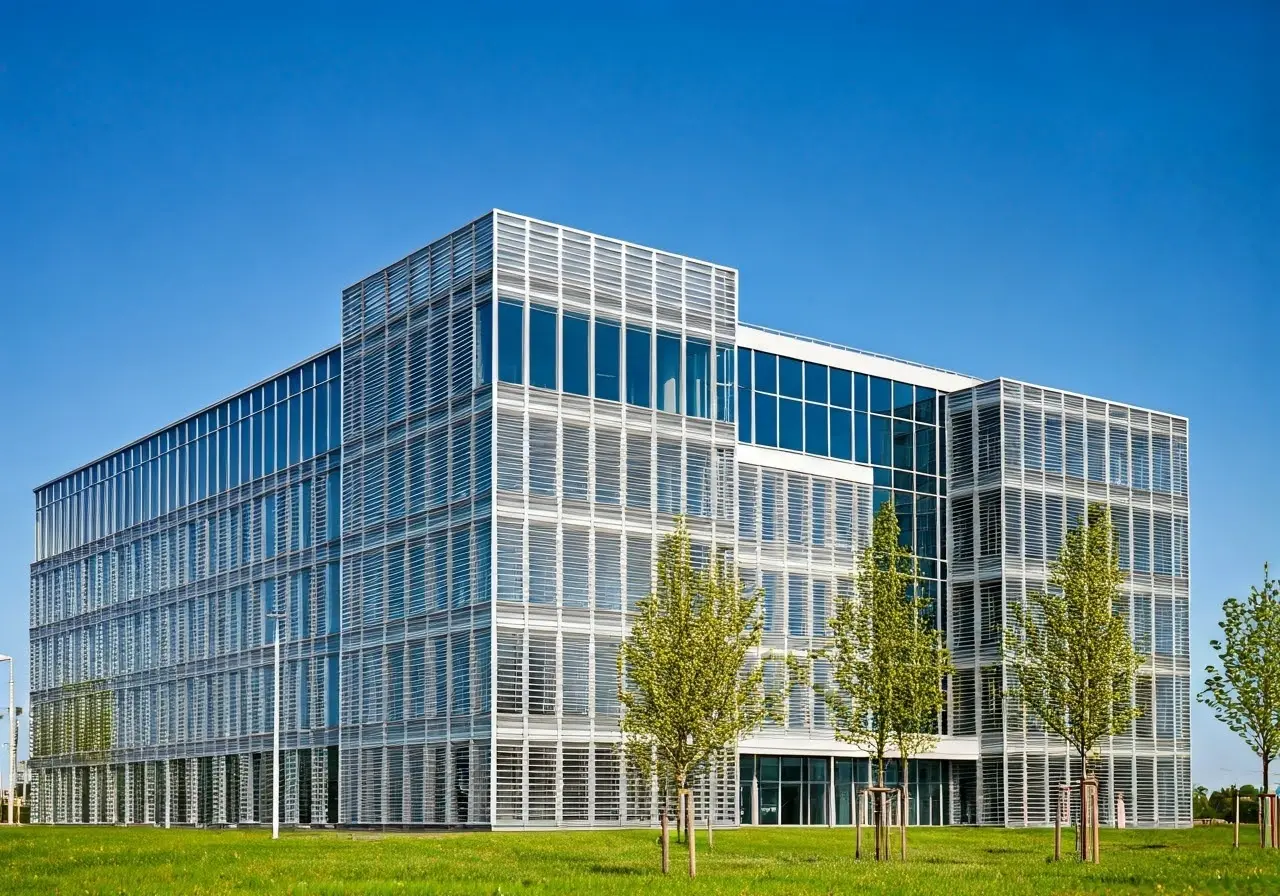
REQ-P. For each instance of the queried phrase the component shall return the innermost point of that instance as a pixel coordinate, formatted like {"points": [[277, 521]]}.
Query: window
{"points": [[484, 343], [510, 342], [608, 360], [881, 395], [815, 429], [841, 434], [766, 372], [861, 448], [724, 384], [766, 414], [638, 368], [815, 382], [697, 377], [669, 373], [903, 400], [543, 360], [925, 411], [575, 357], [790, 378], [881, 441], [903, 454], [790, 424], [841, 388], [926, 460]]}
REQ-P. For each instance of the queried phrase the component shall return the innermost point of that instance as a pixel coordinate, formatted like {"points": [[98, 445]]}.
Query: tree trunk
{"points": [[693, 840], [1262, 800], [906, 801], [666, 843], [1083, 825]]}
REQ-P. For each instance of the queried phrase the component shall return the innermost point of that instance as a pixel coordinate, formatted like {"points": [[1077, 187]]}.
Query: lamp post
{"points": [[279, 617], [13, 739]]}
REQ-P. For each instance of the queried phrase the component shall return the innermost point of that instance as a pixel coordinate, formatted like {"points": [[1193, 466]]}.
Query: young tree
{"points": [[1071, 652], [1245, 694], [686, 684], [924, 665]]}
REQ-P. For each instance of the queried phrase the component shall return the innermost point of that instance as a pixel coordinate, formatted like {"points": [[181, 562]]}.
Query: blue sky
{"points": [[1084, 199]]}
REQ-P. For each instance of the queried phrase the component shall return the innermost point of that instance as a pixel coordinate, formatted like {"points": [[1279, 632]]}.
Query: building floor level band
{"points": [[451, 513]]}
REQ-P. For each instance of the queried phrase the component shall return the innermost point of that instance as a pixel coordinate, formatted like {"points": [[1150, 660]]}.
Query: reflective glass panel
{"points": [[841, 434], [484, 343], [861, 448], [669, 373], [576, 359], [881, 441], [815, 428], [841, 388], [925, 412], [904, 400], [697, 378], [790, 378], [510, 342], [790, 424], [815, 382], [543, 359], [766, 420], [766, 372], [639, 367], [608, 359], [881, 395]]}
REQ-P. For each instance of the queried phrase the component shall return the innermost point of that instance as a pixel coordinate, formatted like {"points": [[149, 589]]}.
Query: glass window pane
{"points": [[790, 424], [744, 367], [766, 420], [841, 434], [484, 343], [608, 359], [576, 361], [904, 400], [861, 450], [744, 414], [639, 368], [926, 457], [543, 359], [790, 378], [925, 412], [881, 441], [669, 373], [815, 382], [841, 388], [697, 378], [724, 383], [881, 395], [903, 453], [510, 342], [815, 428], [766, 372]]}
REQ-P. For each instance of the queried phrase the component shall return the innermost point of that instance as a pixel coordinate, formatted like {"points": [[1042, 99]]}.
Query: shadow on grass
{"points": [[617, 870]]}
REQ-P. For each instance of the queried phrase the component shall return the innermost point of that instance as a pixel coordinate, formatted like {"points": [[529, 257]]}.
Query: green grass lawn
{"points": [[954, 862]]}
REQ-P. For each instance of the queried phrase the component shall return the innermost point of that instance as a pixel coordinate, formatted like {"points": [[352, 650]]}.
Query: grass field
{"points": [[954, 862]]}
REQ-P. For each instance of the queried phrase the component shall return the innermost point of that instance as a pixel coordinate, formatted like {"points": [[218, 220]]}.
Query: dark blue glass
{"points": [[608, 360], [815, 382], [484, 343], [744, 414], [926, 484], [841, 434], [841, 388], [668, 373], [766, 420], [904, 505], [903, 454], [879, 497], [926, 526], [790, 424], [697, 378], [744, 367], [766, 372], [926, 457], [639, 368], [882, 476], [881, 395], [861, 448], [790, 378], [543, 347], [925, 405], [904, 400], [575, 356], [881, 441], [903, 479], [510, 342], [815, 429]]}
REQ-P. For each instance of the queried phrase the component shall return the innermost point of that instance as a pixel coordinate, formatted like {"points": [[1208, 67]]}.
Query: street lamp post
{"points": [[13, 740], [279, 617]]}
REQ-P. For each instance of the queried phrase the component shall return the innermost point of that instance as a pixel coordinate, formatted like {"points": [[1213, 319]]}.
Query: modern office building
{"points": [[453, 510]]}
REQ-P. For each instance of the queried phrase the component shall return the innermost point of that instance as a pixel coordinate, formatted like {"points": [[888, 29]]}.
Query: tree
{"points": [[1070, 650], [1245, 693], [687, 689], [887, 663], [1200, 807], [924, 663]]}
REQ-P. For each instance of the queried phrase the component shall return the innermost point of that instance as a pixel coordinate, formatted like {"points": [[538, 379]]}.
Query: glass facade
{"points": [[457, 508], [156, 570]]}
